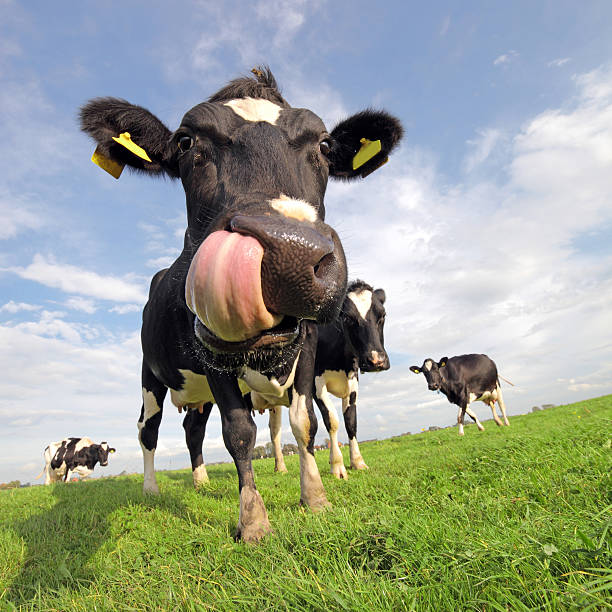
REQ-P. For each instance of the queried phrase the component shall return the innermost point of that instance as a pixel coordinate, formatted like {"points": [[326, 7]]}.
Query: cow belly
{"points": [[196, 390], [487, 397], [268, 388]]}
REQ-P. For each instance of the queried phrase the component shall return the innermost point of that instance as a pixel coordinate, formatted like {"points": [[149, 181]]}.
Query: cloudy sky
{"points": [[490, 229]]}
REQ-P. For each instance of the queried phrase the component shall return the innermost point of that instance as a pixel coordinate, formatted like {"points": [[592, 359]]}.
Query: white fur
{"points": [[252, 109], [296, 209], [269, 389], [362, 301]]}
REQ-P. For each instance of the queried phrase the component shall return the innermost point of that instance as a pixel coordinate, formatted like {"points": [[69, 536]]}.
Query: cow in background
{"points": [[353, 342], [465, 379], [259, 266], [74, 456]]}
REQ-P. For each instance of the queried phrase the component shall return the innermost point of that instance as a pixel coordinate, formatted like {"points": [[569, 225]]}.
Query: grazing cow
{"points": [[353, 342], [74, 455], [238, 309], [465, 379]]}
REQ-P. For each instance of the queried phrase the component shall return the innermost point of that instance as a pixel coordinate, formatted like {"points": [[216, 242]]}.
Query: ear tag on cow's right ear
{"points": [[369, 148], [106, 163], [125, 140]]}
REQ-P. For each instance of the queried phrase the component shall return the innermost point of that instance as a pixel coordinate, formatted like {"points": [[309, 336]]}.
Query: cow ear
{"points": [[362, 143], [415, 369], [116, 126], [381, 295], [442, 362]]}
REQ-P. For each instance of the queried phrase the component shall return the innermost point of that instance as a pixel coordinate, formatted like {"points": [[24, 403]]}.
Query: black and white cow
{"points": [[465, 379], [259, 266], [74, 456], [355, 341]]}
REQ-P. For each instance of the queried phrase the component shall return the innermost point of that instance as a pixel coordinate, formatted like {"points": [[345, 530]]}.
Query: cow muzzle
{"points": [[250, 284], [376, 362]]}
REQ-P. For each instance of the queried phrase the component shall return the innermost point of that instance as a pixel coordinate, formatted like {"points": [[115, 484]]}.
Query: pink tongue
{"points": [[223, 287]]}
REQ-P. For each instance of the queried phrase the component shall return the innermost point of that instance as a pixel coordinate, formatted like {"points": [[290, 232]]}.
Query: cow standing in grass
{"points": [[259, 268], [73, 456], [465, 379], [354, 342]]}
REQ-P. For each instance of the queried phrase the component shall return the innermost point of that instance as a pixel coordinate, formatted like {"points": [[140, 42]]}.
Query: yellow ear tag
{"points": [[369, 148], [126, 140], [112, 167]]}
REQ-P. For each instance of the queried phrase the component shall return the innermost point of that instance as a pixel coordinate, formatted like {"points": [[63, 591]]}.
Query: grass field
{"points": [[514, 518]]}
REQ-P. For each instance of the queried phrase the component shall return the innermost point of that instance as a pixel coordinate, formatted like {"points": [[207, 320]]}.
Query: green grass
{"points": [[514, 518]]}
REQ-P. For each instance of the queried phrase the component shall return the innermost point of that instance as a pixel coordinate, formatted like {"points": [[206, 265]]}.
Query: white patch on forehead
{"points": [[362, 301], [296, 209], [428, 365], [252, 109]]}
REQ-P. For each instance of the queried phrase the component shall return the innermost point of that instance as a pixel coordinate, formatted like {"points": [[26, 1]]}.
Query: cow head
{"points": [[434, 372], [103, 451], [363, 320], [258, 258]]}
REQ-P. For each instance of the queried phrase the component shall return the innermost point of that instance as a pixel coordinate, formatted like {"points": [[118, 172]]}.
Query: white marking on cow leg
{"points": [[311, 485], [460, 422], [274, 422], [200, 476], [495, 417], [148, 456], [472, 414], [255, 109], [357, 462], [296, 209], [336, 461], [362, 300], [502, 404]]}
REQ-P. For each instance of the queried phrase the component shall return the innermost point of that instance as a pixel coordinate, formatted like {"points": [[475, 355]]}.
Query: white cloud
{"points": [[73, 279], [76, 302], [17, 214], [481, 147], [14, 307], [505, 58], [126, 308], [557, 63]]}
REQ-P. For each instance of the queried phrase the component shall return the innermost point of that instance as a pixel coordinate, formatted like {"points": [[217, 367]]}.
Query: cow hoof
{"points": [[252, 533], [339, 471], [481, 428], [359, 465], [282, 469], [253, 523], [318, 505], [200, 476], [507, 423], [150, 488], [461, 433]]}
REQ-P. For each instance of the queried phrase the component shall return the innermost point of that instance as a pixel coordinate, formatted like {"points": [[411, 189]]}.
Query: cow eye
{"points": [[185, 143], [325, 147]]}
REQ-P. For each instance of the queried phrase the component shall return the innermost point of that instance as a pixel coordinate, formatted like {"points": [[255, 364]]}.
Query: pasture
{"points": [[514, 518]]}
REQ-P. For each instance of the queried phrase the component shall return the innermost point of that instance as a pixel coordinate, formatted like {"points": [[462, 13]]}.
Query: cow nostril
{"points": [[322, 268]]}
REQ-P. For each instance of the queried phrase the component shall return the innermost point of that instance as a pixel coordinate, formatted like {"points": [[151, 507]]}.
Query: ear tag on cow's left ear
{"points": [[369, 148], [126, 140], [106, 163]]}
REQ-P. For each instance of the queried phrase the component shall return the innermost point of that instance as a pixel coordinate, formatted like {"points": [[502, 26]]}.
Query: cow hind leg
{"points": [[495, 417], [330, 418], [153, 394], [474, 418], [194, 425], [349, 410], [274, 423], [502, 404]]}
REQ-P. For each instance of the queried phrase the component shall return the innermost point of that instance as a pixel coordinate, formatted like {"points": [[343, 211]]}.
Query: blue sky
{"points": [[490, 229]]}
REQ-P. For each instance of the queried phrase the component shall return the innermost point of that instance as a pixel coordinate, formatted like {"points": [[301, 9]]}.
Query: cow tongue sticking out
{"points": [[223, 287]]}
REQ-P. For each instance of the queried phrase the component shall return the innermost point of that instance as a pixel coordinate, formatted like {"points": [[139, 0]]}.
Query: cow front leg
{"points": [[474, 418], [239, 432], [304, 423], [274, 422], [194, 425], [153, 394], [460, 417], [349, 410], [330, 418]]}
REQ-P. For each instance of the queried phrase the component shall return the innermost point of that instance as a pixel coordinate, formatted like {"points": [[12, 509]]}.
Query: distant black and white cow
{"points": [[259, 266], [465, 379], [355, 341], [74, 456]]}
